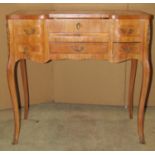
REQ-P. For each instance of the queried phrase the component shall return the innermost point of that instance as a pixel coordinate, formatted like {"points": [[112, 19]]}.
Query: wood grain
{"points": [[11, 70], [146, 66], [23, 69], [105, 14], [131, 87]]}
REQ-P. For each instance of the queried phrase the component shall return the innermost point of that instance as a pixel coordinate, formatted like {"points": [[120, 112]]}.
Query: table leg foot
{"points": [[141, 140], [15, 141]]}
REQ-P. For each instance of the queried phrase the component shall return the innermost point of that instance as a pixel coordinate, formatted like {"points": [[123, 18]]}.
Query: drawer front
{"points": [[127, 50], [28, 27], [78, 25], [27, 50], [83, 37], [128, 31], [78, 48], [29, 39]]}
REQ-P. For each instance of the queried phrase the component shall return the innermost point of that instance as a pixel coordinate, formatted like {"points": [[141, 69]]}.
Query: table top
{"points": [[106, 14]]}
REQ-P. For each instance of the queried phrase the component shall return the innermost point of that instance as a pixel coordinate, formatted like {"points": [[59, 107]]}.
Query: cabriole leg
{"points": [[11, 70], [144, 91], [25, 87], [131, 87]]}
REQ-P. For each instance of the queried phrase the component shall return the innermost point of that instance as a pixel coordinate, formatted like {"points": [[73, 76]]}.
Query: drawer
{"points": [[28, 39], [35, 52], [78, 48], [78, 25], [28, 27], [128, 31], [28, 49], [82, 37], [127, 50]]}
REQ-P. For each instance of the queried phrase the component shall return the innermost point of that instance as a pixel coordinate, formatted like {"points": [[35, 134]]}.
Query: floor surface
{"points": [[55, 126]]}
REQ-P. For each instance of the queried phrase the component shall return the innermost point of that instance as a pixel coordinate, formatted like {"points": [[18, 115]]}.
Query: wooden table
{"points": [[114, 36]]}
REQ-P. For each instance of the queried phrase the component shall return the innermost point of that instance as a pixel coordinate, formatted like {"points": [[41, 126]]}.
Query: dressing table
{"points": [[113, 36]]}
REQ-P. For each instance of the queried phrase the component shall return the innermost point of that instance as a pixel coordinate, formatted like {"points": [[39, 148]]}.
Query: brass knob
{"points": [[122, 30], [127, 31], [29, 31], [130, 31], [78, 48], [78, 25]]}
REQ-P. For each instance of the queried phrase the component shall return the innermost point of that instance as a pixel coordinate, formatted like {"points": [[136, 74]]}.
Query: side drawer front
{"points": [[123, 51], [77, 25], [29, 39], [128, 30], [28, 27]]}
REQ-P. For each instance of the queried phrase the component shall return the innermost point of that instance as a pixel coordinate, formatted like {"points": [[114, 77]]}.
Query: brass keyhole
{"points": [[130, 31], [78, 25]]}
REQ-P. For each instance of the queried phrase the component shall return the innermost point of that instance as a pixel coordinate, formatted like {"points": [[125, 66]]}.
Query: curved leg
{"points": [[144, 90], [13, 92], [25, 87], [131, 87]]}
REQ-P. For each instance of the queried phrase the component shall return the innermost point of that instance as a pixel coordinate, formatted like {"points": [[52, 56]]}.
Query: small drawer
{"points": [[78, 48], [78, 25], [28, 40], [28, 49], [28, 27], [28, 30], [128, 31], [127, 50]]}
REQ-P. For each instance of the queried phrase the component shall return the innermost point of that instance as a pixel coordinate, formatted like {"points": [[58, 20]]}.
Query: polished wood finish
{"points": [[145, 81], [78, 26], [131, 87], [106, 14], [25, 87], [13, 92], [114, 36]]}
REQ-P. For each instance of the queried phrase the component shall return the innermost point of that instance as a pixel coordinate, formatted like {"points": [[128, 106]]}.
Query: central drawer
{"points": [[78, 48], [77, 25], [78, 36]]}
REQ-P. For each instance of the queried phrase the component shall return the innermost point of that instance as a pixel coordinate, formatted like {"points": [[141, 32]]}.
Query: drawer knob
{"points": [[78, 25], [29, 31], [78, 48], [128, 31]]}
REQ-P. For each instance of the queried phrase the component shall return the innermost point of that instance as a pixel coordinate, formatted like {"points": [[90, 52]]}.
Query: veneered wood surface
{"points": [[78, 48], [76, 37], [78, 25], [37, 39], [106, 14], [128, 30]]}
